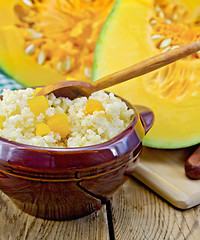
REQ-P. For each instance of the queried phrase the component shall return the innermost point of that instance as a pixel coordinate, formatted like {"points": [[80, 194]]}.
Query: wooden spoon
{"points": [[73, 89]]}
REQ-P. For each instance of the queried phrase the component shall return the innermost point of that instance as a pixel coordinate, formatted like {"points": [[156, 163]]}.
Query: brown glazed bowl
{"points": [[68, 183]]}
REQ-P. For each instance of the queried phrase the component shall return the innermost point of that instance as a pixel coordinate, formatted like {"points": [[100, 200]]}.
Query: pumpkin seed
{"points": [[88, 72], [161, 14], [30, 49], [165, 43], [60, 66], [175, 46], [67, 63], [175, 16], [41, 58], [168, 21], [33, 34], [153, 22], [166, 49], [155, 37], [28, 3], [157, 9], [36, 35]]}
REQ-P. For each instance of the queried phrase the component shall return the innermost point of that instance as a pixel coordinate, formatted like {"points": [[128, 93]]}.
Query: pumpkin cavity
{"points": [[174, 25], [62, 34]]}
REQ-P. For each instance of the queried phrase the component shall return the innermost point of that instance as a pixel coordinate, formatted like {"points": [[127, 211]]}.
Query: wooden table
{"points": [[134, 212]]}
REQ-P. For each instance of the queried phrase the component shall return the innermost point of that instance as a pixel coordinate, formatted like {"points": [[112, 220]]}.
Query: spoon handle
{"points": [[146, 66]]}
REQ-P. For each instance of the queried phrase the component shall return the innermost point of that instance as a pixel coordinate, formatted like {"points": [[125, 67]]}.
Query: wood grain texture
{"points": [[163, 171], [140, 214], [137, 214], [16, 225]]}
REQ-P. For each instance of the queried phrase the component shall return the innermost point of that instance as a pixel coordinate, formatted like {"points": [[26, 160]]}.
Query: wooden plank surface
{"points": [[140, 214], [16, 225], [163, 171], [137, 214]]}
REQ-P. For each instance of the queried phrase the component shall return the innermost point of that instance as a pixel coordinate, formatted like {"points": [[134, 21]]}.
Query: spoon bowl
{"points": [[70, 89]]}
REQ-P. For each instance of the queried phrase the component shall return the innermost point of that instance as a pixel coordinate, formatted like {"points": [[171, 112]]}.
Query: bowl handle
{"points": [[146, 116], [147, 119]]}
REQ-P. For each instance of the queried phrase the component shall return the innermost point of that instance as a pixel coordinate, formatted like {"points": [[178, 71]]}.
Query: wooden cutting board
{"points": [[163, 172]]}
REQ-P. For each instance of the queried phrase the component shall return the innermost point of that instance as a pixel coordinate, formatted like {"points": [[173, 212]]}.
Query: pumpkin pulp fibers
{"points": [[61, 34], [172, 27]]}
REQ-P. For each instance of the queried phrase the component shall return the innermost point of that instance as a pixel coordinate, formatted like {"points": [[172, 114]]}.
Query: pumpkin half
{"points": [[43, 41], [138, 29]]}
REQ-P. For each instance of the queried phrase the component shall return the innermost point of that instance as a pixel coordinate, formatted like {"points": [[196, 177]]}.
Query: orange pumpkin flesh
{"points": [[142, 29], [45, 41]]}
